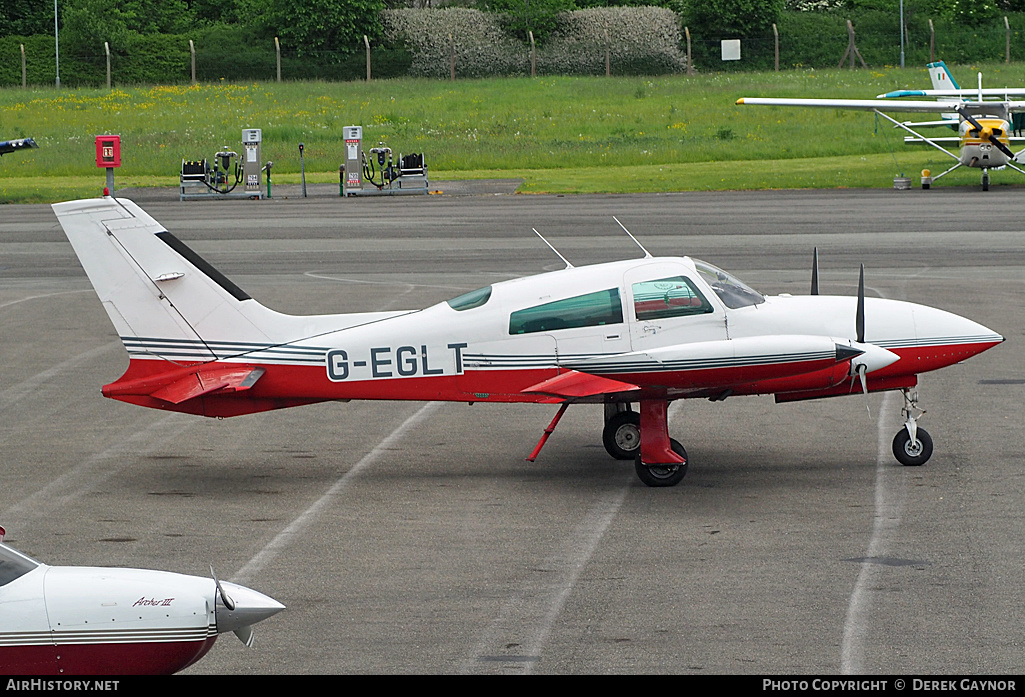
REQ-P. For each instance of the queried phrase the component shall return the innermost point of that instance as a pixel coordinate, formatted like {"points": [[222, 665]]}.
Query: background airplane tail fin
{"points": [[164, 300], [941, 77]]}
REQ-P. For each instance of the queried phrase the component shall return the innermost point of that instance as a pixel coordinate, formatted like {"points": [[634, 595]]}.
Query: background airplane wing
{"points": [[967, 93], [863, 104], [880, 104]]}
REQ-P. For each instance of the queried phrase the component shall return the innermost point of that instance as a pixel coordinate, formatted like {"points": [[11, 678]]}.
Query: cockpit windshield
{"points": [[14, 565], [731, 290]]}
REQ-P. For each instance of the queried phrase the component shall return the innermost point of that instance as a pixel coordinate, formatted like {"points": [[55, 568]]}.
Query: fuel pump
{"points": [[378, 174], [230, 176]]}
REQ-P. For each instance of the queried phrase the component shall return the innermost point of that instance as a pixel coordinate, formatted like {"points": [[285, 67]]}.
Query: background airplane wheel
{"points": [[663, 475], [912, 454], [622, 435]]}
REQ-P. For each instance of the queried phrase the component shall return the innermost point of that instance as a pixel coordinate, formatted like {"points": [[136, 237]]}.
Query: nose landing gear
{"points": [[912, 446]]}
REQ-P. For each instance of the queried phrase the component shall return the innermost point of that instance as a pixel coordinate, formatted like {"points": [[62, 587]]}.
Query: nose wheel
{"points": [[912, 446], [912, 453]]}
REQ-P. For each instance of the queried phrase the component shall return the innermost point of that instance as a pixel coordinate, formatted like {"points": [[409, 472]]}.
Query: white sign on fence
{"points": [[731, 49]]}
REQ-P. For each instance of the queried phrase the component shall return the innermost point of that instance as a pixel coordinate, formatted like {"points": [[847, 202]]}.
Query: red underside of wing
{"points": [[577, 384]]}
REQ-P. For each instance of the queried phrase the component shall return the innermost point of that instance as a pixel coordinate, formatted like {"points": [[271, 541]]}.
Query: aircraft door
{"points": [[665, 307]]}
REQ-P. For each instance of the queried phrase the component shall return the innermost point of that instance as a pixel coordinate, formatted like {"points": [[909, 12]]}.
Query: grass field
{"points": [[562, 134]]}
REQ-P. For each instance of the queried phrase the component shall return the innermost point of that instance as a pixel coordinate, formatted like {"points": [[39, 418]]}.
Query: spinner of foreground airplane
{"points": [[645, 331], [79, 620]]}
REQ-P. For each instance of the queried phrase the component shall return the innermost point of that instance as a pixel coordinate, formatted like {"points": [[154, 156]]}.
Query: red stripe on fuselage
{"points": [[291, 385]]}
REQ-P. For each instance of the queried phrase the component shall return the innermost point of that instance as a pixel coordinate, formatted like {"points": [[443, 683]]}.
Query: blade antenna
{"points": [[815, 273], [647, 254], [859, 318], [568, 265]]}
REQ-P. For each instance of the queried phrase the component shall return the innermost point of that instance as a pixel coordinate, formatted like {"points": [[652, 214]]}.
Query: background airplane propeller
{"points": [[992, 138]]}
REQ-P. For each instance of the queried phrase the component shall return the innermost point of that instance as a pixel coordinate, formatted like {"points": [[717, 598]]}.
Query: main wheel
{"points": [[622, 435], [912, 453], [663, 475]]}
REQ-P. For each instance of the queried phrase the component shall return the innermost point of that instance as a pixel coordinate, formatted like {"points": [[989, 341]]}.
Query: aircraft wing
{"points": [[880, 104], [968, 93], [862, 104], [575, 384], [9, 146]]}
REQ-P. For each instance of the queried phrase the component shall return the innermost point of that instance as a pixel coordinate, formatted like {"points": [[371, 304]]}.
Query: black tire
{"points": [[663, 475], [912, 454], [622, 435]]}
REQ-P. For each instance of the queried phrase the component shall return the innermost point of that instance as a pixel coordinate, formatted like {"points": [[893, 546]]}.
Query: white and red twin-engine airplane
{"points": [[645, 331], [80, 620]]}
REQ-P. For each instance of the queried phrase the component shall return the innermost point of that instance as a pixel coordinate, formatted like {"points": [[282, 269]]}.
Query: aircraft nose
{"points": [[249, 608], [945, 338]]}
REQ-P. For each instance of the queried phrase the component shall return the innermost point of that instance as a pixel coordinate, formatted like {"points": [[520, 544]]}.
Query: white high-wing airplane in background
{"points": [[642, 331], [80, 620], [984, 125]]}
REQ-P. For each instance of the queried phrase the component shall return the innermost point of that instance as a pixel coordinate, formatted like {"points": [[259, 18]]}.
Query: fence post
{"points": [[775, 39], [192, 52], [106, 49], [1007, 51], [277, 54], [366, 42], [690, 63], [533, 55], [932, 43], [452, 57], [608, 58], [24, 74], [852, 49]]}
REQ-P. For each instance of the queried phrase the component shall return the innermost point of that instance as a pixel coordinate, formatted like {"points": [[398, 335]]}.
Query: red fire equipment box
{"points": [[108, 151]]}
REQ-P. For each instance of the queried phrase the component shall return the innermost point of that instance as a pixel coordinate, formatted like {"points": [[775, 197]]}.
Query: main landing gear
{"points": [[644, 438], [912, 446]]}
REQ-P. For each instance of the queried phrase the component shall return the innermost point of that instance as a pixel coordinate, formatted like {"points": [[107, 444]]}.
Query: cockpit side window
{"points": [[591, 310], [668, 297]]}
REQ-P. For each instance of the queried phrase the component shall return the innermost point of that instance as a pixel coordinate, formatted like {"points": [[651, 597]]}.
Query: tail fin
{"points": [[941, 77], [197, 342], [164, 300]]}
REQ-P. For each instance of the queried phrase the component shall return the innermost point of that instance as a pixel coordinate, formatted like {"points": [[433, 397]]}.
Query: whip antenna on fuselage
{"points": [[568, 265], [647, 254]]}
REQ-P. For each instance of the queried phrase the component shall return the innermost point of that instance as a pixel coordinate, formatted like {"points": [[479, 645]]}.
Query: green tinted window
{"points": [[591, 310], [468, 301], [668, 297]]}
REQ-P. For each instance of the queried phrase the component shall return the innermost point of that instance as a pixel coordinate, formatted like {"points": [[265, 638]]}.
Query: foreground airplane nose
{"points": [[248, 608]]}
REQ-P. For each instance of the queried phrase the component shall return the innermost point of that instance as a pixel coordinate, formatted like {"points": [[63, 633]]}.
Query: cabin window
{"points": [[591, 310], [668, 297], [468, 301]]}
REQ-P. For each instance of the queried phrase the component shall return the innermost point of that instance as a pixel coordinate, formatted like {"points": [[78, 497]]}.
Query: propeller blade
{"points": [[815, 273], [225, 598], [859, 319], [1000, 146], [864, 387], [970, 119], [245, 635]]}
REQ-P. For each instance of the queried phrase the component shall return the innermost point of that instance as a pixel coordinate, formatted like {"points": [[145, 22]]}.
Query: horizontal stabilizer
{"points": [[577, 384], [179, 386]]}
